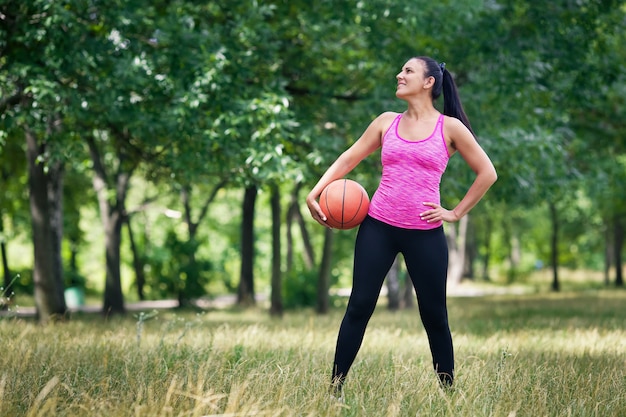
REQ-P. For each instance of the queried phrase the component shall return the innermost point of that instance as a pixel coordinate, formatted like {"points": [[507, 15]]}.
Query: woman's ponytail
{"points": [[445, 83]]}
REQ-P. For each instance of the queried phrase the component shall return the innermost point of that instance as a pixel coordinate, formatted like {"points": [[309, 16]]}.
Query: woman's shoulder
{"points": [[456, 132], [451, 120], [385, 119], [453, 126], [388, 115]]}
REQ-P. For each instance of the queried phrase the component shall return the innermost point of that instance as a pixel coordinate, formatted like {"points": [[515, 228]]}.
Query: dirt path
{"points": [[225, 301]]}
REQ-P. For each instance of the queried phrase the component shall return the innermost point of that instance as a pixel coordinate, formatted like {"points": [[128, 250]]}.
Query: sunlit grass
{"points": [[531, 355]]}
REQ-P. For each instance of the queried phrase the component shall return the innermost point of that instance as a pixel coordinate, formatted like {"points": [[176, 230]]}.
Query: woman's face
{"points": [[411, 79]]}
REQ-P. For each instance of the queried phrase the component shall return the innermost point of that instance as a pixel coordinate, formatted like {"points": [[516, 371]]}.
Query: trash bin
{"points": [[74, 297]]}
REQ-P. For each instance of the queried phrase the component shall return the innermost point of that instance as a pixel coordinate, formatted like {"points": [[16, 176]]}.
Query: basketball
{"points": [[345, 203]]}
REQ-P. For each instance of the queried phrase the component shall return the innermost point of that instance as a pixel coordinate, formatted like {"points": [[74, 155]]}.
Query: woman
{"points": [[405, 214]]}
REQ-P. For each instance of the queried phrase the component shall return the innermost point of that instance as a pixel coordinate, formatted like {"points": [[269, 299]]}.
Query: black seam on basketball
{"points": [[329, 213], [328, 210], [343, 201], [357, 210]]}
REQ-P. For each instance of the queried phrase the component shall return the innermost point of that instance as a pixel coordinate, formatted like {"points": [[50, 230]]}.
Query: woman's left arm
{"points": [[462, 140]]}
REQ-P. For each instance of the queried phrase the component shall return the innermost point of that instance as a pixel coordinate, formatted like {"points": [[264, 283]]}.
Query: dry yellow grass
{"points": [[531, 355]]}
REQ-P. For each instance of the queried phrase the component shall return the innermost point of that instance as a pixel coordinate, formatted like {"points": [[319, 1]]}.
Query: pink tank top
{"points": [[411, 176]]}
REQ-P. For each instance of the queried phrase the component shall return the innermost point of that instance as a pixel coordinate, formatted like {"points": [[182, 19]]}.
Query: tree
{"points": [[531, 58], [393, 286], [204, 97], [323, 282], [45, 212], [245, 292], [276, 307], [139, 101], [111, 191], [36, 105]]}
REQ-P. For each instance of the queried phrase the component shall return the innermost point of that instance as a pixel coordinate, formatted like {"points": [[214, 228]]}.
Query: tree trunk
{"points": [[112, 214], [293, 213], [113, 296], [289, 218], [323, 282], [608, 254], [276, 307], [554, 247], [138, 263], [471, 251], [5, 259], [456, 245], [408, 294], [619, 243], [245, 294], [55, 198], [309, 254], [49, 298], [487, 256], [516, 253], [393, 286], [7, 290], [193, 286]]}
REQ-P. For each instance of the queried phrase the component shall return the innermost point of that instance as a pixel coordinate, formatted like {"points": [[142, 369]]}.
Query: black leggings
{"points": [[426, 257]]}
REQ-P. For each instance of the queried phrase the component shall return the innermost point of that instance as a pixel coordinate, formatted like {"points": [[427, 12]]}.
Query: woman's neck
{"points": [[421, 110]]}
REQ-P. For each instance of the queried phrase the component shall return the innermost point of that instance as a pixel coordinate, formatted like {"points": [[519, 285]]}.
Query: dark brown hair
{"points": [[444, 82]]}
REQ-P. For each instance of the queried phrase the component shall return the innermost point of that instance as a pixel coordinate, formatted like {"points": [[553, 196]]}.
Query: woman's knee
{"points": [[360, 308], [434, 318]]}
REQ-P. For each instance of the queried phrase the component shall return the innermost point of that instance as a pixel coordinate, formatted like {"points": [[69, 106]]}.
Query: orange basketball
{"points": [[345, 203]]}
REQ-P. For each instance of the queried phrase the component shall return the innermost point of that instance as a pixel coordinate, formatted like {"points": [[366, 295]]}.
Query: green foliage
{"points": [[6, 294], [74, 278], [174, 270], [22, 282], [549, 178], [13, 182], [300, 289], [190, 95]]}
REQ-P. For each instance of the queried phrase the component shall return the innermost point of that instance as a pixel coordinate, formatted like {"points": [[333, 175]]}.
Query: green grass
{"points": [[530, 355]]}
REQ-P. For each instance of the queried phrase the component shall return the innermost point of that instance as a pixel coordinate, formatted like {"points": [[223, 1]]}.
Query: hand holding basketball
{"points": [[345, 204]]}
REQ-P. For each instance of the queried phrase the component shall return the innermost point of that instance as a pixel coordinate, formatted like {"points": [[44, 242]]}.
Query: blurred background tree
{"points": [[200, 127]]}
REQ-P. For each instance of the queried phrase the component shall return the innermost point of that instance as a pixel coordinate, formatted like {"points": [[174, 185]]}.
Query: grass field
{"points": [[525, 355]]}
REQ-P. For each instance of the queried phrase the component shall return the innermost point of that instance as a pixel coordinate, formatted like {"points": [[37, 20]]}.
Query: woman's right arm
{"points": [[369, 141]]}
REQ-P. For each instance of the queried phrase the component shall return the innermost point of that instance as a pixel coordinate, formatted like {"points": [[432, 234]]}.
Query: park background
{"points": [[162, 150]]}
